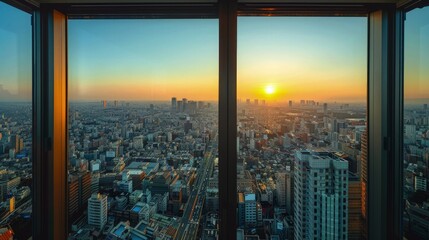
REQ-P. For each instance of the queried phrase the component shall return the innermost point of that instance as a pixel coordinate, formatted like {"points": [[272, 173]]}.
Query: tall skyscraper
{"points": [[79, 192], [284, 188], [325, 108], [321, 196], [179, 106], [15, 141], [355, 204], [252, 209], [97, 210], [184, 104], [290, 103], [173, 104]]}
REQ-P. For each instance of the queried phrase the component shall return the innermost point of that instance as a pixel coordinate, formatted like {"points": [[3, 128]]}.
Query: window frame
{"points": [[385, 79]]}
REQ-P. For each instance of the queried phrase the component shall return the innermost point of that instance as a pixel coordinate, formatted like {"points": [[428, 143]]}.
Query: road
{"points": [[7, 217], [188, 227]]}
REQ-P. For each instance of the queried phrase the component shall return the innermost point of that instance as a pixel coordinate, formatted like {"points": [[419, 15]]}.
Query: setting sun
{"points": [[269, 89]]}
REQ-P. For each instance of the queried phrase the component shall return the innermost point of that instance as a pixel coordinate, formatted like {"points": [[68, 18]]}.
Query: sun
{"points": [[269, 89]]}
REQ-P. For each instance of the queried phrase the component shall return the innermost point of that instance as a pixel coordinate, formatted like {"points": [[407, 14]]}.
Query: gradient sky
{"points": [[320, 58], [15, 54], [416, 54], [164, 58], [143, 59]]}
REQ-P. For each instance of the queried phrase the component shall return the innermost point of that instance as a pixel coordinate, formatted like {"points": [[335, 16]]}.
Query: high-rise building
{"points": [[95, 182], [15, 141], [364, 180], [179, 106], [97, 210], [79, 192], [184, 104], [325, 108], [187, 126], [320, 196], [290, 103], [173, 104], [251, 214], [284, 188], [355, 203], [241, 214], [281, 188]]}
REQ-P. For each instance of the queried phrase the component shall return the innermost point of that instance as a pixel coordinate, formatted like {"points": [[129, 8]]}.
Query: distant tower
{"points": [[425, 106], [256, 101], [325, 108], [187, 126], [247, 101], [185, 104], [173, 104], [290, 103], [104, 103], [179, 106]]}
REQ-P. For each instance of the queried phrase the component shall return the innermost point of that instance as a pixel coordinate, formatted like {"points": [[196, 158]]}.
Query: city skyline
{"points": [[93, 47]]}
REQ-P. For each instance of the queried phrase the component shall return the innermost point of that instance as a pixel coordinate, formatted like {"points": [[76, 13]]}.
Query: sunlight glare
{"points": [[269, 89]]}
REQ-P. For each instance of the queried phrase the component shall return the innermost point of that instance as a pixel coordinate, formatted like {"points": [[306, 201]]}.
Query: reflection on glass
{"points": [[143, 129], [15, 123], [301, 127], [416, 124]]}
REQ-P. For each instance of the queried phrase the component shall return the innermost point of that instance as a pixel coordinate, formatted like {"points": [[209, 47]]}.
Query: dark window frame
{"points": [[385, 76]]}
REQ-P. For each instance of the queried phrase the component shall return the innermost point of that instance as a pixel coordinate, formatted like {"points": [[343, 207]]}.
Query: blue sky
{"points": [[15, 54], [416, 54], [156, 59]]}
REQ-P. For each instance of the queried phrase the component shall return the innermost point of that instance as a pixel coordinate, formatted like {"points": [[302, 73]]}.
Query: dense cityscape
{"points": [[149, 170]]}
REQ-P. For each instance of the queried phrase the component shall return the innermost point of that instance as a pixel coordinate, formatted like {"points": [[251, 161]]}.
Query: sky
{"points": [[416, 54], [160, 59], [314, 58], [320, 58], [15, 54], [143, 59]]}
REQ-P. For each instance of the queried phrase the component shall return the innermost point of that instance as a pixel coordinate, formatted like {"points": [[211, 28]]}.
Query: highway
{"points": [[188, 227], [7, 217]]}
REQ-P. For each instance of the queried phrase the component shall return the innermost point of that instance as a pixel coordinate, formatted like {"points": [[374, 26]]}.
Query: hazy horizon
{"points": [[320, 58]]}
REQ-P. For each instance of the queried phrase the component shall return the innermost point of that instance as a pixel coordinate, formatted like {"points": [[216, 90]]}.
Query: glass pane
{"points": [[15, 123], [143, 123], [302, 85], [416, 124]]}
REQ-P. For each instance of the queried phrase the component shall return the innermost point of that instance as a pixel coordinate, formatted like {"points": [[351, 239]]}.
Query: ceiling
{"points": [[210, 1]]}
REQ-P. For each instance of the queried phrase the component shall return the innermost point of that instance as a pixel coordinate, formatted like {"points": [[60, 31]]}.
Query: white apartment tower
{"points": [[320, 196], [97, 210]]}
